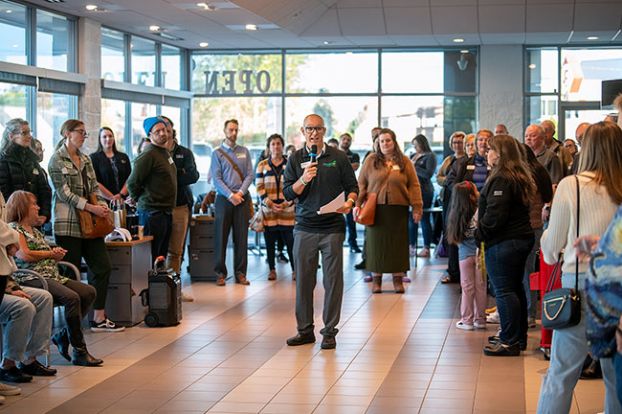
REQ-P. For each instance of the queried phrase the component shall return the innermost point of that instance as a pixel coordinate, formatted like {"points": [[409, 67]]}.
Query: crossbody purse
{"points": [[561, 308]]}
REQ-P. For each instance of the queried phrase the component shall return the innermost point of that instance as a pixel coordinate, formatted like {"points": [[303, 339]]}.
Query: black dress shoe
{"points": [[282, 258], [37, 369], [14, 374], [301, 340], [500, 349], [83, 358], [329, 342], [360, 266], [61, 340], [494, 339]]}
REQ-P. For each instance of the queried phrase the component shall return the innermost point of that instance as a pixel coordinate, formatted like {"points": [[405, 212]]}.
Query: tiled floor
{"points": [[395, 354]]}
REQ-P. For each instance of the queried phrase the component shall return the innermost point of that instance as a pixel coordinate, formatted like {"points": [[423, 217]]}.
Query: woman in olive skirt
{"points": [[391, 176]]}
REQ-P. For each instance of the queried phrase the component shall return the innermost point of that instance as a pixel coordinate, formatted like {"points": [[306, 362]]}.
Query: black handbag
{"points": [[561, 308]]}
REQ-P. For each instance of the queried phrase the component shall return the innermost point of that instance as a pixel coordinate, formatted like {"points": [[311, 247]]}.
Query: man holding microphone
{"points": [[315, 175]]}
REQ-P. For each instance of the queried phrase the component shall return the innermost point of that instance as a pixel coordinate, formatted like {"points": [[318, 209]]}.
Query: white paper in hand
{"points": [[334, 205]]}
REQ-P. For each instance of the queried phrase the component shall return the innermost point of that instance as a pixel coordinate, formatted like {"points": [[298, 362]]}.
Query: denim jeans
{"points": [[617, 360], [351, 227], [26, 324], [505, 263], [157, 224], [568, 350]]}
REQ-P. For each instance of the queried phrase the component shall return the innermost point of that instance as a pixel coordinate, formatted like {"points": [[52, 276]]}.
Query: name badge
{"points": [[35, 171], [241, 156], [304, 164], [179, 156], [470, 167], [497, 193], [170, 160], [396, 168]]}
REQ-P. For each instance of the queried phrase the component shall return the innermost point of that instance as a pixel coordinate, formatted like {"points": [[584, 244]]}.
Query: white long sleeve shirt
{"points": [[596, 211]]}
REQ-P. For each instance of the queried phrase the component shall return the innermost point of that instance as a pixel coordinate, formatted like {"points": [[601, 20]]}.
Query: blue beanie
{"points": [[149, 123]]}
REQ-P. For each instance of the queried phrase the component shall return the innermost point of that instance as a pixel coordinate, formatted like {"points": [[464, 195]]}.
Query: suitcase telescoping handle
{"points": [[158, 263]]}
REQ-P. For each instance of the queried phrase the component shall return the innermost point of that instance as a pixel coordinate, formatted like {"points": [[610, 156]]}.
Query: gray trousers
{"points": [[228, 216], [307, 247]]}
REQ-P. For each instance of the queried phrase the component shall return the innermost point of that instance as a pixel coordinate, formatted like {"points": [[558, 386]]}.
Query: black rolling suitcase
{"points": [[163, 296]]}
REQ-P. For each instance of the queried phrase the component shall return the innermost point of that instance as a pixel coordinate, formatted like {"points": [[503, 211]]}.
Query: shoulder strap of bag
{"points": [[576, 271], [233, 164], [85, 182]]}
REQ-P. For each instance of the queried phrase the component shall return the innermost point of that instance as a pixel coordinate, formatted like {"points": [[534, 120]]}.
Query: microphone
{"points": [[313, 153]]}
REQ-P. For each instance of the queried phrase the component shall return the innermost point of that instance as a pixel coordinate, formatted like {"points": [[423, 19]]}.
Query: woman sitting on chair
{"points": [[36, 254]]}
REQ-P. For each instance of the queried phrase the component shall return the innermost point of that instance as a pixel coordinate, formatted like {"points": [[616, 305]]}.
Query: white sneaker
{"points": [[6, 389], [186, 297], [479, 325], [493, 318], [464, 326]]}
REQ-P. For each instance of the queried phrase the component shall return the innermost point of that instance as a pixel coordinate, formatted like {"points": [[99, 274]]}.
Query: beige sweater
{"points": [[596, 212], [393, 187]]}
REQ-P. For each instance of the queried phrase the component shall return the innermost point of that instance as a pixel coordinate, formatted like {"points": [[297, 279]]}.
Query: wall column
{"points": [[89, 64], [501, 88]]}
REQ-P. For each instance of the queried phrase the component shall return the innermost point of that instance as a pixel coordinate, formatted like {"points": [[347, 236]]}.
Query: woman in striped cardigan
{"points": [[278, 213]]}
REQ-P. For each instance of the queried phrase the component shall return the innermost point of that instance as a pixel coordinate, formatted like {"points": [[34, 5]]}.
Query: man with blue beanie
{"points": [[153, 185]]}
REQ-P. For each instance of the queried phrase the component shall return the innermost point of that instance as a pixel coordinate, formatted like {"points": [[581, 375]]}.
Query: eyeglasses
{"points": [[81, 132], [310, 129], [25, 133]]}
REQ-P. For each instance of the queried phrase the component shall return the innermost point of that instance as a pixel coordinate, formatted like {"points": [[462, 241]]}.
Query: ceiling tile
{"points": [[406, 3], [597, 15], [372, 41], [500, 19], [502, 38], [361, 22], [501, 2], [422, 40], [540, 18], [345, 4], [434, 3], [327, 25], [408, 20], [454, 20]]}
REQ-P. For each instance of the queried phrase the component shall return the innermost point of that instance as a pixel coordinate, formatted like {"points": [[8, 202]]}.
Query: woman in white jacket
{"points": [[600, 167]]}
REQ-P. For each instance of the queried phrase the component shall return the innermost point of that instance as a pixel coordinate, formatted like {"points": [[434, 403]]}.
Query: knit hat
{"points": [[149, 123]]}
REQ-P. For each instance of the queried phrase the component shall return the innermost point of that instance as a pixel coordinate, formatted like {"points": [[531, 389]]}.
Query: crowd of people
{"points": [[502, 202]]}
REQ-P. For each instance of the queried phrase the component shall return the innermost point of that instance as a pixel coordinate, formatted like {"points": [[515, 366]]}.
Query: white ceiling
{"points": [[360, 23]]}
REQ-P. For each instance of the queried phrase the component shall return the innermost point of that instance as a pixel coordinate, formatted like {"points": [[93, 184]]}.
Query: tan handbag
{"points": [[367, 213], [92, 226]]}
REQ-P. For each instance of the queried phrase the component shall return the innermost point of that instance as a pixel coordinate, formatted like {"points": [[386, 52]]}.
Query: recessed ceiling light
{"points": [[206, 6], [91, 7], [464, 51], [592, 38], [251, 27], [204, 44], [532, 66], [458, 40], [326, 42], [154, 28], [9, 11]]}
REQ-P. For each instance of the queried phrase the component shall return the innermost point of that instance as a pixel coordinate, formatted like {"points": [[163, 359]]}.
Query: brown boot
{"points": [[397, 284], [376, 284]]}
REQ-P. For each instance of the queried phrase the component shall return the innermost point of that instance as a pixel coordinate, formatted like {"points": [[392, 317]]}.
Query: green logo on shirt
{"points": [[333, 163]]}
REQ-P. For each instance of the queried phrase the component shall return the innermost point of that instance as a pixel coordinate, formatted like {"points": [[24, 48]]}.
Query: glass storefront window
{"points": [[542, 72], [171, 67], [12, 102], [113, 56], [332, 72], [140, 111], [583, 70], [54, 41], [113, 116], [412, 115], [356, 115], [539, 108], [52, 110], [237, 74], [414, 72], [143, 61], [13, 30]]}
